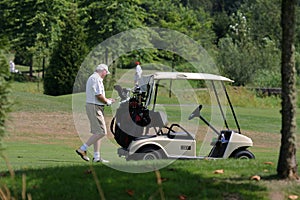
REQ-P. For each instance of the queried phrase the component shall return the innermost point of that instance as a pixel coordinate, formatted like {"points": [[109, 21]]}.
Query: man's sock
{"points": [[96, 155], [84, 147]]}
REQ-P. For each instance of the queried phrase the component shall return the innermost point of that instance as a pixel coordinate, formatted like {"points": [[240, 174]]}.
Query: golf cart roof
{"points": [[189, 76]]}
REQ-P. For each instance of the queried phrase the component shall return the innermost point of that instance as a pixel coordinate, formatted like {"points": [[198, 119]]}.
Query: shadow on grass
{"points": [[78, 182]]}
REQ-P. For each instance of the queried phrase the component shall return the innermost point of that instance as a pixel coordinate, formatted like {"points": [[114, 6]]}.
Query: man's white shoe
{"points": [[100, 160], [82, 154]]}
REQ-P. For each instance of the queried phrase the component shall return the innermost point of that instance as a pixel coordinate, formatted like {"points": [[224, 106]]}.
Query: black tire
{"points": [[150, 154], [243, 154]]}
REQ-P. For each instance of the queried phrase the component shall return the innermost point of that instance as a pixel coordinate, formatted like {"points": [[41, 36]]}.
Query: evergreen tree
{"points": [[67, 56]]}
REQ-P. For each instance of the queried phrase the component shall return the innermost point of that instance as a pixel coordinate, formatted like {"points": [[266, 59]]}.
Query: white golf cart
{"points": [[133, 121]]}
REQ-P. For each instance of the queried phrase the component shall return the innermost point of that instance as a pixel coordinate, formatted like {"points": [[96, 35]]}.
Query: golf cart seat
{"points": [[158, 121]]}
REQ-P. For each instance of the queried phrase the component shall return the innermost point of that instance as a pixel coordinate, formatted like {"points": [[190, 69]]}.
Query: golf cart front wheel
{"points": [[243, 154]]}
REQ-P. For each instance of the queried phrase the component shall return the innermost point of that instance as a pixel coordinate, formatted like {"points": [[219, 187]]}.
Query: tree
{"points": [[264, 20], [46, 24], [238, 52], [31, 27], [107, 18], [287, 165], [22, 36], [67, 56]]}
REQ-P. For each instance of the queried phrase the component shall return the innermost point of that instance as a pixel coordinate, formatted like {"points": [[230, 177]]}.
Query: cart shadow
{"points": [[88, 181]]}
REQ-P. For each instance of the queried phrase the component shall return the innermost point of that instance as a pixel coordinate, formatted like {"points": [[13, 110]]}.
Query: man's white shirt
{"points": [[94, 86]]}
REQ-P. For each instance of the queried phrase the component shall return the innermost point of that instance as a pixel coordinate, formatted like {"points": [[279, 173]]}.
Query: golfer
{"points": [[138, 73], [95, 102]]}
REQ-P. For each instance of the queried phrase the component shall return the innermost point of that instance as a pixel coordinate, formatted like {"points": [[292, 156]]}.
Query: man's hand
{"points": [[110, 101]]}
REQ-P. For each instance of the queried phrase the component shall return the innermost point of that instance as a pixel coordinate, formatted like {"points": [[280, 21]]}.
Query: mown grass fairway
{"points": [[42, 139]]}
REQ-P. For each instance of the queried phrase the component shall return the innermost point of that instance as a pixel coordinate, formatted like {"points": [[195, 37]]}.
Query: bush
{"points": [[267, 78], [4, 95], [20, 77], [237, 62]]}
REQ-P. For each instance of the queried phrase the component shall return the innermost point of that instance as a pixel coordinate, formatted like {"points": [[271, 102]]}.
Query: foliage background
{"points": [[242, 36]]}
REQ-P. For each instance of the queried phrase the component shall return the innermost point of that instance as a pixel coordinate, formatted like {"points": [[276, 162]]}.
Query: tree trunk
{"points": [[287, 165], [30, 67]]}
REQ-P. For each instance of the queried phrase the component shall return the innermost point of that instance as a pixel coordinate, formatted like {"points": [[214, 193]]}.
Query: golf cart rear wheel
{"points": [[244, 154], [150, 154]]}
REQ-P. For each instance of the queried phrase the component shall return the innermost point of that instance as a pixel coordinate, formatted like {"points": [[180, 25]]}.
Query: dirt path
{"points": [[42, 127], [47, 127]]}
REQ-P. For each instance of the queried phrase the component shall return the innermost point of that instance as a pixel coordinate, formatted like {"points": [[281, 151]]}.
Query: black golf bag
{"points": [[130, 120]]}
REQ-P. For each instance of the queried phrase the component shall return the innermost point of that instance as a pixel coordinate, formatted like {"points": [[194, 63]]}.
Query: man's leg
{"points": [[97, 150], [94, 139], [98, 128], [97, 156]]}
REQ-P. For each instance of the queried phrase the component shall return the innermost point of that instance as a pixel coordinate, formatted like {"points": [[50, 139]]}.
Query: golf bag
{"points": [[130, 119]]}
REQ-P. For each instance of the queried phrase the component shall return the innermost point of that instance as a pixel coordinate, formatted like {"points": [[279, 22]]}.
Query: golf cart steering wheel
{"points": [[196, 112]]}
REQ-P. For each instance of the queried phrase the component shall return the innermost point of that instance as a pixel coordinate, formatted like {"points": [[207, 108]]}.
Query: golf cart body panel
{"points": [[173, 143], [170, 147], [237, 141]]}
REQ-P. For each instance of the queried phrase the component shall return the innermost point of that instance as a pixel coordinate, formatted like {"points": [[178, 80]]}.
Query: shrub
{"points": [[4, 95], [267, 78]]}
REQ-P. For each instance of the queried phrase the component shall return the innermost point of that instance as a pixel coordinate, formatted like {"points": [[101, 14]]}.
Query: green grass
{"points": [[193, 179], [29, 97], [54, 171], [61, 175], [266, 120]]}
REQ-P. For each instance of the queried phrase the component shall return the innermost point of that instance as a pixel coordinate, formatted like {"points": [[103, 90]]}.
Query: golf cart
{"points": [[133, 121]]}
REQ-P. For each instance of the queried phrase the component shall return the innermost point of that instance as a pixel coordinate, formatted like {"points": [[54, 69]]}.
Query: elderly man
{"points": [[95, 102]]}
